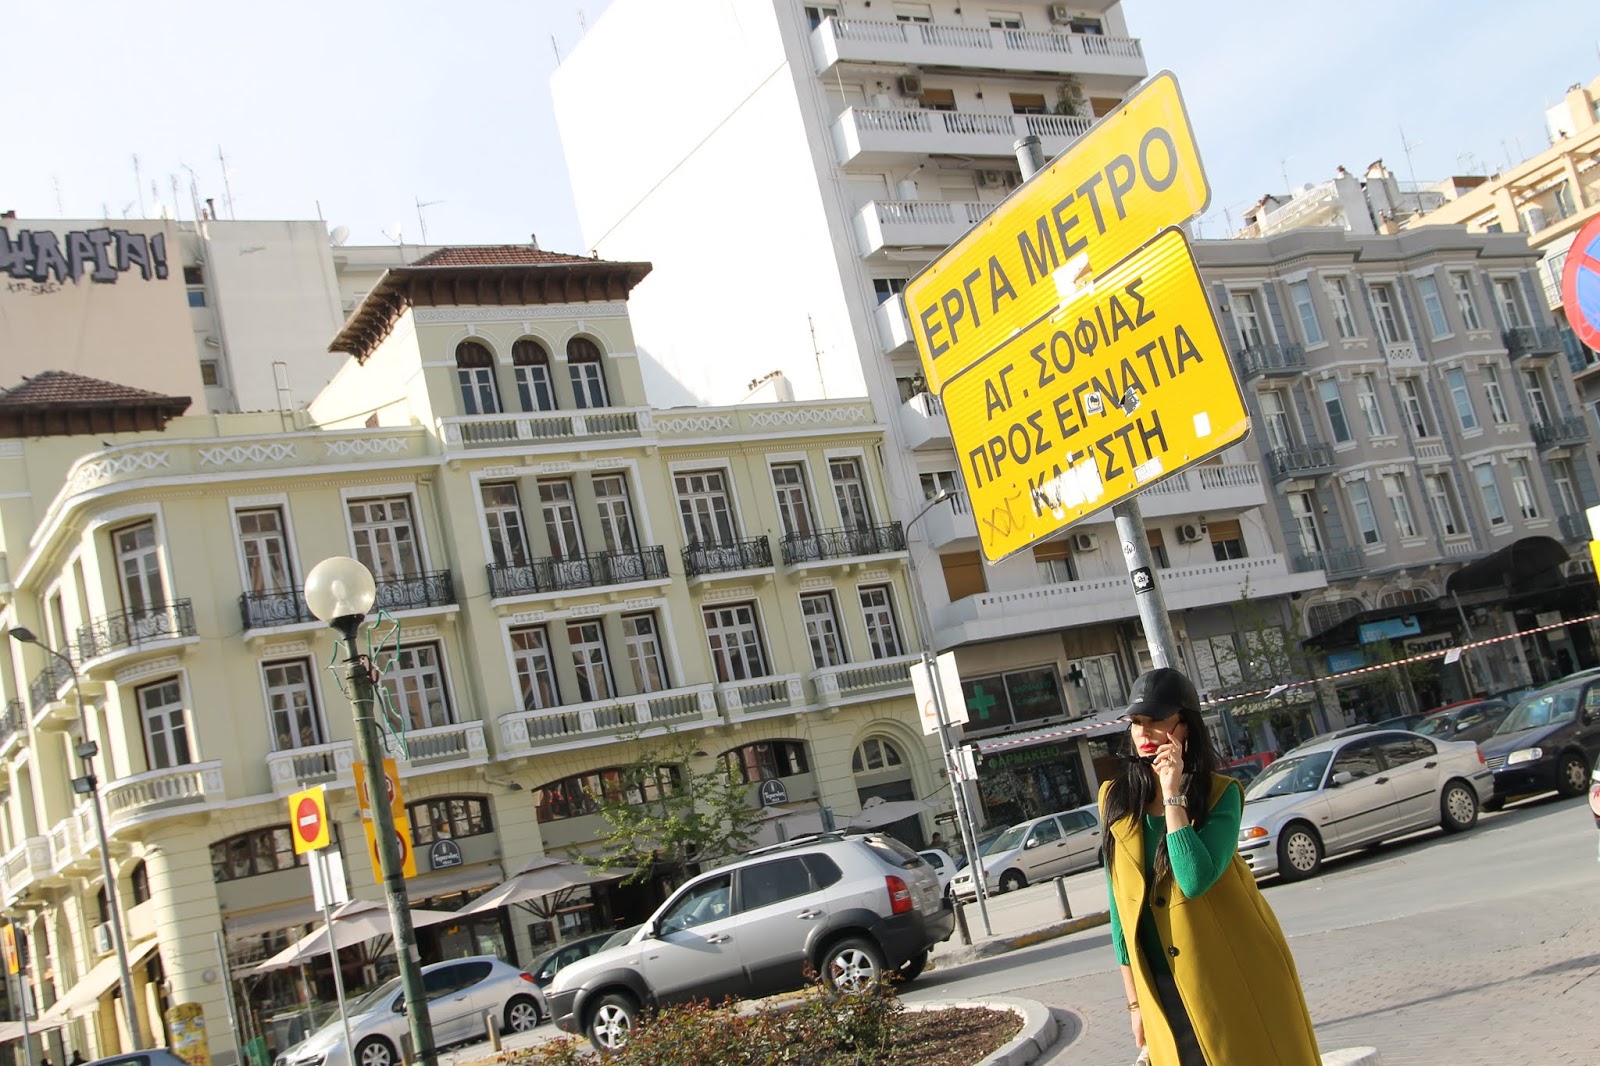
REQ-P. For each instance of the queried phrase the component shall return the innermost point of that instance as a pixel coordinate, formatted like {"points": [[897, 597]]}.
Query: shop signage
{"points": [[774, 792], [444, 853]]}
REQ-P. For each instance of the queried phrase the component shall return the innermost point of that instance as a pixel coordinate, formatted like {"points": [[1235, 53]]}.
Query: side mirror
{"points": [[1343, 777], [1033, 842]]}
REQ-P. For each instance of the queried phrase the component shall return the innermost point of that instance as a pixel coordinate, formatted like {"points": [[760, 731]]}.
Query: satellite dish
{"points": [[339, 235], [394, 232]]}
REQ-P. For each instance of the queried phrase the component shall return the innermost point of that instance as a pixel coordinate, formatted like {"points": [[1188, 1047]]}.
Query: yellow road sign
{"points": [[308, 820], [391, 785], [1126, 384], [1134, 173], [402, 837], [8, 939]]}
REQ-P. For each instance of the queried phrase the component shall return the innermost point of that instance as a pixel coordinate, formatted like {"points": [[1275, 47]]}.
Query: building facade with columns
{"points": [[572, 572]]}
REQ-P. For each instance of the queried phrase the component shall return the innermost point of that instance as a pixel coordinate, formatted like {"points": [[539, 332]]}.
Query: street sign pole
{"points": [[1129, 516], [325, 893]]}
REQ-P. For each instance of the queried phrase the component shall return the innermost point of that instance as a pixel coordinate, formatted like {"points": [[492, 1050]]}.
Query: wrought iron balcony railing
{"points": [[1272, 360], [749, 554], [129, 629], [47, 682], [1336, 561], [579, 572], [1305, 460], [1559, 431], [416, 591], [1531, 340], [12, 721], [1574, 527], [259, 610], [843, 543]]}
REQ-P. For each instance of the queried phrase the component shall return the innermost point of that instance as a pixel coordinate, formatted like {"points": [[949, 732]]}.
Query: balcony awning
{"points": [[1524, 565], [100, 979]]}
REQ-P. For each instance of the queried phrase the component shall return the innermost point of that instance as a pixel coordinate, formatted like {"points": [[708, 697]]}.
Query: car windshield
{"points": [[621, 936], [1010, 840], [1300, 773], [1545, 708], [374, 1000], [1435, 727]]}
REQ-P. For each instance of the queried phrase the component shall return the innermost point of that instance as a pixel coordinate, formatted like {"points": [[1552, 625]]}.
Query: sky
{"points": [[361, 110]]}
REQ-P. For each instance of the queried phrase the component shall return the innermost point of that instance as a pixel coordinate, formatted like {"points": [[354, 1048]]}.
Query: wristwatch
{"points": [[1175, 801]]}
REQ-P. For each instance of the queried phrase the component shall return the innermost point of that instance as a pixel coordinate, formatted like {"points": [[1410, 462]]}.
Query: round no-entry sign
{"points": [[1580, 284], [308, 819]]}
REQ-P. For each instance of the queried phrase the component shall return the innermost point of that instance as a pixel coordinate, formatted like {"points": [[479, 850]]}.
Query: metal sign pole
{"points": [[319, 868], [1152, 604]]}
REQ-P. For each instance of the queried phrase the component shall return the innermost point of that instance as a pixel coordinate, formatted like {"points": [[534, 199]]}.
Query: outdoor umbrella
{"points": [[543, 877], [878, 811], [355, 922]]}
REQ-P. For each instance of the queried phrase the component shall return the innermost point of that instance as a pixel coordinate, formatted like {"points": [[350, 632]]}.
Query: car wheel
{"points": [[376, 1051], [522, 1014], [912, 968], [1572, 778], [853, 965], [1299, 852], [611, 1022], [1012, 881], [1458, 807]]}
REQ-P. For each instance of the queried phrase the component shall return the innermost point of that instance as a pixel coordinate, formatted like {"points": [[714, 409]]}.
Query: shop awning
{"points": [[448, 882], [1530, 563], [13, 1030], [100, 979], [289, 916], [1082, 731]]}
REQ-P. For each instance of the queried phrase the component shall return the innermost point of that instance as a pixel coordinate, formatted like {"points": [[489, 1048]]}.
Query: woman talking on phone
{"points": [[1208, 975]]}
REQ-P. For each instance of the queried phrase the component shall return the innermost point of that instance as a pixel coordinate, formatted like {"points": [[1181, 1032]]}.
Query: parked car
{"points": [[1548, 741], [1258, 759], [1402, 721], [1037, 850], [1352, 791], [460, 992], [1242, 772], [546, 966], [986, 841], [942, 864], [1471, 720], [849, 908], [154, 1057]]}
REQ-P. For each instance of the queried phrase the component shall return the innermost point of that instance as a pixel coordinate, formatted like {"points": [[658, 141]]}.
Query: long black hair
{"points": [[1135, 787]]}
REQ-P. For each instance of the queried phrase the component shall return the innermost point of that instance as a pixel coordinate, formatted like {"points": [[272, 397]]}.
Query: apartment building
{"points": [[832, 150], [1547, 198], [234, 315], [575, 576], [1422, 435]]}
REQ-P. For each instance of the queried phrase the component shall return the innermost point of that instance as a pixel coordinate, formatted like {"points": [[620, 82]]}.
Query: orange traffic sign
{"points": [[402, 836], [391, 786]]}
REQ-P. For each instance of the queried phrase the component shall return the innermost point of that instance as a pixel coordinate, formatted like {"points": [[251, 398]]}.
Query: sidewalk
{"points": [[1027, 916]]}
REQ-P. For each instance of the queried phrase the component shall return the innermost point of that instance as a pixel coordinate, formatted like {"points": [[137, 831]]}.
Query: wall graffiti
{"points": [[104, 254]]}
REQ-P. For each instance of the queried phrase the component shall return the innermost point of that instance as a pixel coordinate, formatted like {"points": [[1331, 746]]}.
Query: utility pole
{"points": [[1129, 516]]}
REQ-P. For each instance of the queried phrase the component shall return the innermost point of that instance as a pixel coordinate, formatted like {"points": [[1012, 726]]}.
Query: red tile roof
{"points": [[52, 387], [495, 255]]}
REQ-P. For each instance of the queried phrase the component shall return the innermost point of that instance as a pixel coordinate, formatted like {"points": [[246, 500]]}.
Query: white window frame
{"points": [[534, 667], [1442, 502], [744, 657], [1414, 402], [1461, 285], [1366, 515], [1338, 292], [1533, 386], [280, 697], [706, 507], [1305, 306], [1432, 306], [787, 495], [1371, 407], [1394, 489], [617, 527], [251, 563], [1494, 505], [563, 527], [165, 727], [1499, 414], [591, 660], [1508, 298], [1387, 312], [824, 634], [536, 388], [884, 640], [505, 526], [1455, 379], [851, 495], [1333, 407], [647, 657], [1566, 492], [371, 554], [1277, 422], [1303, 510], [141, 569], [1247, 321], [1522, 488], [406, 679]]}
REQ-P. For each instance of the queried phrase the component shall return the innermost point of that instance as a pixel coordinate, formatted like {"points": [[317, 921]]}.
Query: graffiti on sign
{"points": [[102, 254]]}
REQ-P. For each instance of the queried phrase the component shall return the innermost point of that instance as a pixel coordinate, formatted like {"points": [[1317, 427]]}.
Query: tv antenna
{"points": [[1406, 146], [227, 190], [422, 223], [138, 185]]}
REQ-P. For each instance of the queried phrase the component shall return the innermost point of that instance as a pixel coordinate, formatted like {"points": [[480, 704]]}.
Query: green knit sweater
{"points": [[1198, 857]]}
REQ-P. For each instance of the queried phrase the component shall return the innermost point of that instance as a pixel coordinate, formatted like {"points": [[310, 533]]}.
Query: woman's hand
{"points": [[1168, 766], [1138, 1028]]}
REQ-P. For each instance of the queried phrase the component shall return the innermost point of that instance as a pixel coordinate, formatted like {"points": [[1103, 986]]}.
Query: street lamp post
{"points": [[88, 785], [969, 831], [340, 591]]}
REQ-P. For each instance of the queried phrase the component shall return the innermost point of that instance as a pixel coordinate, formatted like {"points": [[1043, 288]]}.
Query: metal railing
{"points": [[12, 721], [1303, 460], [1268, 358], [552, 574], [1573, 527], [712, 558], [1333, 561], [436, 589], [129, 629], [1531, 340], [1568, 430], [843, 543], [258, 610], [47, 682]]}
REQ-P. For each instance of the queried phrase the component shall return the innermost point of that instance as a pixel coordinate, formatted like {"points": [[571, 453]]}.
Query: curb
{"points": [[1038, 1034], [1353, 1056], [999, 945]]}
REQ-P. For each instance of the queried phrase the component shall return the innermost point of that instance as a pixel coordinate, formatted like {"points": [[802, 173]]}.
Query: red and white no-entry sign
{"points": [[308, 820]]}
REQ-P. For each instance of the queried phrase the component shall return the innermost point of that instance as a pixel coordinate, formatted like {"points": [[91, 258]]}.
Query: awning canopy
{"points": [[100, 979], [1523, 565]]}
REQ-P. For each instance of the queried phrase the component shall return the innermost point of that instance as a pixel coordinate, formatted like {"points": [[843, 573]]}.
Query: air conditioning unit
{"points": [[103, 943], [1060, 14], [1085, 542], [1189, 533], [911, 85], [997, 179]]}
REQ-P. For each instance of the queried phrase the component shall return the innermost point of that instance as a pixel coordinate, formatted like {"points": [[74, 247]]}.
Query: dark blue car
{"points": [[1548, 741]]}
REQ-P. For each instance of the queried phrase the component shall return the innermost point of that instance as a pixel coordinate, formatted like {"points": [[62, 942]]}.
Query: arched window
{"points": [[767, 760], [475, 373], [139, 883], [581, 794], [1321, 616], [260, 851], [449, 818], [1405, 597], [588, 373], [531, 365], [875, 753]]}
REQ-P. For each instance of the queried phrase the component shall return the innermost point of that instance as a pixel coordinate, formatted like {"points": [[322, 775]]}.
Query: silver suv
{"points": [[849, 907]]}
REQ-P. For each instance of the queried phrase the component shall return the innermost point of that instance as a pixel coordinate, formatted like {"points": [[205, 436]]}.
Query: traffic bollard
{"points": [[493, 1028], [1061, 893], [961, 923]]}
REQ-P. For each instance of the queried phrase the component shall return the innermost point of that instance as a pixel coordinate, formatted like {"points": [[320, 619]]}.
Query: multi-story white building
{"points": [[822, 157]]}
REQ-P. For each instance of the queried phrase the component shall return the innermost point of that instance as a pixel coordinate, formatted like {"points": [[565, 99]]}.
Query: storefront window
{"points": [[1018, 697], [1030, 782]]}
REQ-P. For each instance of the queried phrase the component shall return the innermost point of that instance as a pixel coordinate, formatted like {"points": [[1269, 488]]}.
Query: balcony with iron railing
{"points": [[1336, 562], [1304, 460], [1531, 340], [885, 224], [1269, 359], [875, 136], [978, 48], [48, 683], [136, 629], [1574, 527], [826, 545], [596, 570], [701, 559], [1560, 432], [266, 610], [13, 726], [415, 592]]}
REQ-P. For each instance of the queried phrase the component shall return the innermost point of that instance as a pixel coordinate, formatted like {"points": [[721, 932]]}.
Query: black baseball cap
{"points": [[1162, 693]]}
